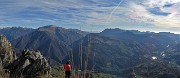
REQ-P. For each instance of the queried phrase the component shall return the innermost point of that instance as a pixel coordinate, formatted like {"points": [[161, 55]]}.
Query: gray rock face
{"points": [[1, 67], [2, 73], [6, 52], [31, 64]]}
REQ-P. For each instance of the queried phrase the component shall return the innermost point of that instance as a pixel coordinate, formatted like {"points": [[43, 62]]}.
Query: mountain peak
{"points": [[14, 32], [50, 28], [114, 30], [12, 28]]}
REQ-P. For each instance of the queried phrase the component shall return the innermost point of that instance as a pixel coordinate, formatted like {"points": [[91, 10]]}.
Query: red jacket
{"points": [[67, 67]]}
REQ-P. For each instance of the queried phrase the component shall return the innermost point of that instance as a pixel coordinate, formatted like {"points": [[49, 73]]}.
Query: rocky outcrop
{"points": [[7, 55], [2, 71], [1, 68], [31, 64]]}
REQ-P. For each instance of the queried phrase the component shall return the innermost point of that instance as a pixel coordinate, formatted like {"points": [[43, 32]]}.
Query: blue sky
{"points": [[93, 15]]}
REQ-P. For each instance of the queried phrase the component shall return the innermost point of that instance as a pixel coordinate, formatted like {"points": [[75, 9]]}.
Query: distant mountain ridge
{"points": [[149, 39], [116, 51], [52, 41], [15, 32]]}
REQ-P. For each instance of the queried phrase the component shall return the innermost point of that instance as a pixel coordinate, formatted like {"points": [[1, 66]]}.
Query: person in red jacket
{"points": [[67, 68]]}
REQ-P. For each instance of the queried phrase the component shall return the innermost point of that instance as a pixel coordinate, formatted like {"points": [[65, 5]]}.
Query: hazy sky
{"points": [[95, 15]]}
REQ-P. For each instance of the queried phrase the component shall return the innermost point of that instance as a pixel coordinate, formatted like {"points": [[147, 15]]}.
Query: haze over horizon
{"points": [[96, 15]]}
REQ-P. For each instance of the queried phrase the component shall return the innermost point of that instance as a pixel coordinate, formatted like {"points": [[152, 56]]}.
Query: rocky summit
{"points": [[31, 64], [7, 55], [6, 52]]}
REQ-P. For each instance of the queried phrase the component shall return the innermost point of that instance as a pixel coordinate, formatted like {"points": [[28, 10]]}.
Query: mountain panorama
{"points": [[112, 53]]}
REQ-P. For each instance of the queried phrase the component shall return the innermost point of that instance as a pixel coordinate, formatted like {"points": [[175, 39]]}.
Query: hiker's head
{"points": [[68, 62]]}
